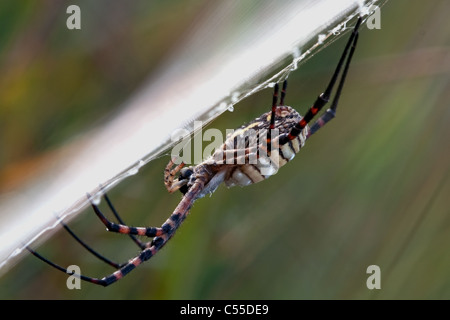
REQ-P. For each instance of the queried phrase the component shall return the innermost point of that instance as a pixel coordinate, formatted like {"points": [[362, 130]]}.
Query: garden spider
{"points": [[197, 181]]}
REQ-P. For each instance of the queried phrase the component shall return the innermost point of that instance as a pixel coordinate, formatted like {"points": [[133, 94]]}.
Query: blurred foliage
{"points": [[370, 188]]}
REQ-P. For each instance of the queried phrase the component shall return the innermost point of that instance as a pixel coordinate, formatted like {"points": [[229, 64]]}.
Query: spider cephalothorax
{"points": [[249, 155]]}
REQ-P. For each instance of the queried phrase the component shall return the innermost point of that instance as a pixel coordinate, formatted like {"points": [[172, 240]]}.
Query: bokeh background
{"points": [[370, 188]]}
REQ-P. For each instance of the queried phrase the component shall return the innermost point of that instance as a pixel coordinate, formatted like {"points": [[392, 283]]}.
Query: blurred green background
{"points": [[370, 188]]}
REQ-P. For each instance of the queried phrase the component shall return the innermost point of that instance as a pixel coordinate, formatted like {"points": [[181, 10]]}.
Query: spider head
{"points": [[185, 175]]}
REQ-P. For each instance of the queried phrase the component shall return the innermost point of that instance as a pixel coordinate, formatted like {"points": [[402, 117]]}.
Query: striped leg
{"points": [[115, 265], [88, 248], [145, 255], [331, 112], [174, 221], [140, 244], [169, 175], [124, 229], [325, 96], [274, 109], [272, 115]]}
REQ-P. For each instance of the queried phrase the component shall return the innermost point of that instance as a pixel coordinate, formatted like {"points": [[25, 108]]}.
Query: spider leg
{"points": [[331, 112], [87, 247], [116, 265], [54, 265], [272, 115], [124, 229], [325, 96], [274, 106], [283, 93], [169, 175], [140, 243], [174, 221], [143, 256]]}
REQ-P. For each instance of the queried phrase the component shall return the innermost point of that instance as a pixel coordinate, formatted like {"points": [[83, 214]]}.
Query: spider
{"points": [[291, 132]]}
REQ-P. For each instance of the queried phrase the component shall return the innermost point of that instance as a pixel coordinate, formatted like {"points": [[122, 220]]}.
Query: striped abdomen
{"points": [[249, 163], [246, 174]]}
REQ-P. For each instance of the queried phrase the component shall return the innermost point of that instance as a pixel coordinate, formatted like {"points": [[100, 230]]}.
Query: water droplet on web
{"points": [[133, 171], [96, 200], [271, 84], [230, 108], [136, 168], [321, 38]]}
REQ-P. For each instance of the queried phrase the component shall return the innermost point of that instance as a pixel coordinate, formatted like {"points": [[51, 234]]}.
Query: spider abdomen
{"points": [[252, 162], [246, 174]]}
